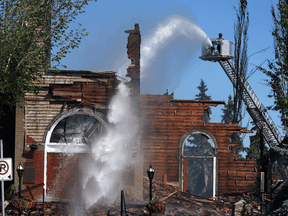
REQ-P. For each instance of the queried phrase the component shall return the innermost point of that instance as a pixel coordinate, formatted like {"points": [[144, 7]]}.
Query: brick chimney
{"points": [[133, 52]]}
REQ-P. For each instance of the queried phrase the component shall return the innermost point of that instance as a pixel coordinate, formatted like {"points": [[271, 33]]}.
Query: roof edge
{"points": [[82, 72], [199, 101]]}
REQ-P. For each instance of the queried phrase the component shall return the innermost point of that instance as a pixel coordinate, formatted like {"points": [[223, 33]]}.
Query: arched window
{"points": [[70, 133], [198, 144], [77, 129], [74, 130], [199, 164]]}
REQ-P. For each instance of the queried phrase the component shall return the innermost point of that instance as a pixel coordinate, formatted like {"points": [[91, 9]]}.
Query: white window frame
{"points": [[214, 157], [66, 147]]}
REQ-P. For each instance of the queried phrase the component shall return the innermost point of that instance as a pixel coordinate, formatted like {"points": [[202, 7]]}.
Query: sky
{"points": [[176, 66]]}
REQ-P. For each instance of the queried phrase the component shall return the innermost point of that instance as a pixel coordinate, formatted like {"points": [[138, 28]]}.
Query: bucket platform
{"points": [[220, 50]]}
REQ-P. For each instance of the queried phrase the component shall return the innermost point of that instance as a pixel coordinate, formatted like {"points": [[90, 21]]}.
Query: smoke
{"points": [[171, 28], [109, 155]]}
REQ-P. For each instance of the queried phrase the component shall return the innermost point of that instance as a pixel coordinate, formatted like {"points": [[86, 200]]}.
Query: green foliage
{"points": [[203, 96], [279, 206], [199, 170], [10, 192], [227, 117], [279, 157], [29, 31], [278, 68], [253, 151], [236, 138], [281, 211], [20, 204], [198, 145], [155, 206], [282, 149]]}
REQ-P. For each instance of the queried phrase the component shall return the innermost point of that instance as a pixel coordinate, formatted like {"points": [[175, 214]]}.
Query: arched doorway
{"points": [[198, 163], [69, 134]]}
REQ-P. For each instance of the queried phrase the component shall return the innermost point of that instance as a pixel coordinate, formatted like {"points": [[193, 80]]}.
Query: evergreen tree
{"points": [[277, 80], [200, 170], [203, 96], [253, 151], [227, 117], [278, 68]]}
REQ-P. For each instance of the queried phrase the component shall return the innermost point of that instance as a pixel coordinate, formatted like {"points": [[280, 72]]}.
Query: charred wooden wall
{"points": [[63, 91], [165, 121], [58, 93]]}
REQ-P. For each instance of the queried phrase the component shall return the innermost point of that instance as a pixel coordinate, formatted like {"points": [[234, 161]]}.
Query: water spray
{"points": [[110, 155], [171, 28]]}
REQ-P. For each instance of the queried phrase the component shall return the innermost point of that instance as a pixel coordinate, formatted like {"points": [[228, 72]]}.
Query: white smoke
{"points": [[109, 156], [166, 31]]}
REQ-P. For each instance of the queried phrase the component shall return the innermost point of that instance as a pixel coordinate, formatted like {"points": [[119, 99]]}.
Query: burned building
{"points": [[69, 110], [175, 140], [194, 154]]}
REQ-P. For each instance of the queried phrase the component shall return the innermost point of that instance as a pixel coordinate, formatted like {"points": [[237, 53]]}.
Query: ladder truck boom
{"points": [[221, 51]]}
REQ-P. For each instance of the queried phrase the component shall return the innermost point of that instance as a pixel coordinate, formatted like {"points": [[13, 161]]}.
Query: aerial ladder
{"points": [[221, 51]]}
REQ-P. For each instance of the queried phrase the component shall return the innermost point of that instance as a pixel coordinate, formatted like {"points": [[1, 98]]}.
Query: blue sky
{"points": [[177, 66]]}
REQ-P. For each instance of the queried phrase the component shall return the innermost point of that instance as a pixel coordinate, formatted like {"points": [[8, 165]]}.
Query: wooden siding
{"points": [[60, 91], [164, 123]]}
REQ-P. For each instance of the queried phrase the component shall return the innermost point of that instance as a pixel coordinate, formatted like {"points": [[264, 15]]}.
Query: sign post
{"points": [[6, 173], [2, 182]]}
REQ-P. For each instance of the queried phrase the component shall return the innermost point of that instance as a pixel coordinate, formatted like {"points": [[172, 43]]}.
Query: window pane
{"points": [[77, 129], [198, 145], [200, 176]]}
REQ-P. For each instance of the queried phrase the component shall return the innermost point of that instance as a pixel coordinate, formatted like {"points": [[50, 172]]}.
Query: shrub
{"points": [[155, 206], [20, 204], [283, 210], [10, 192], [279, 206]]}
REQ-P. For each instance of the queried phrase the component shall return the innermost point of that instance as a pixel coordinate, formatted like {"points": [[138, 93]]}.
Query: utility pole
{"points": [[262, 171]]}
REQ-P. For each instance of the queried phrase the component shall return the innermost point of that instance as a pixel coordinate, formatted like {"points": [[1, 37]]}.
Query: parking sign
{"points": [[6, 170]]}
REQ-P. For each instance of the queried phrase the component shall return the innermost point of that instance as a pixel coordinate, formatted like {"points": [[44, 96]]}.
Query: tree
{"points": [[203, 96], [240, 56], [278, 72], [278, 68], [199, 170], [30, 29], [227, 117], [253, 151], [233, 110]]}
